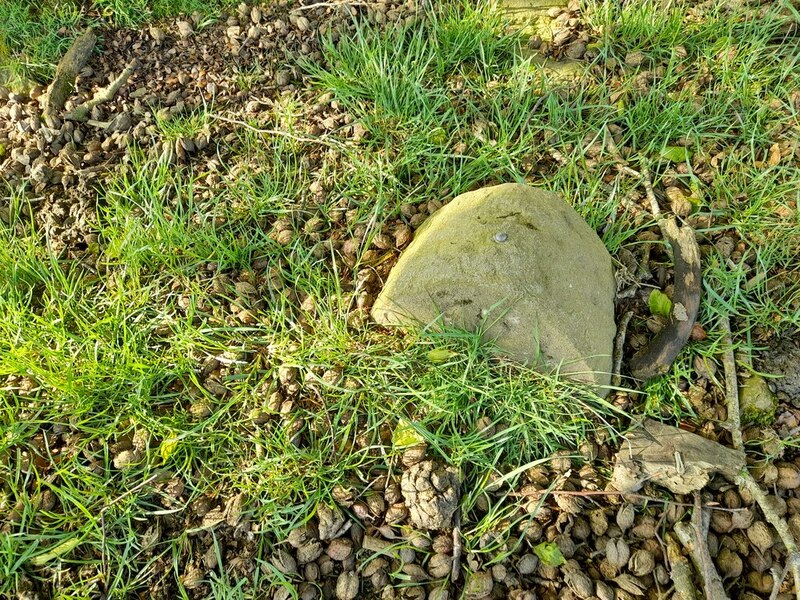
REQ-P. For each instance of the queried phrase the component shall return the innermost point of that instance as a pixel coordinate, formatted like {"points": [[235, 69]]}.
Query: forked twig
{"points": [[680, 572], [64, 80], [745, 479], [695, 539], [81, 112]]}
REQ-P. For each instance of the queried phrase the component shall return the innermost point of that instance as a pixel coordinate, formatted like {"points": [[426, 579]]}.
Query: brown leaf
{"points": [[774, 155]]}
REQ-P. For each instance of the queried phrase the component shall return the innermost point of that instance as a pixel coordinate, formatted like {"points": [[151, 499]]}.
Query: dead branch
{"points": [[81, 112], [630, 495], [651, 194], [731, 385], [67, 70], [694, 538], [619, 344], [680, 572], [327, 5], [455, 568], [701, 519], [323, 140], [745, 479], [778, 577], [657, 357]]}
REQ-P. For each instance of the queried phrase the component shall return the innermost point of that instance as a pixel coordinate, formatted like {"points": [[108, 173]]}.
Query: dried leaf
{"points": [[675, 194], [630, 584], [774, 155]]}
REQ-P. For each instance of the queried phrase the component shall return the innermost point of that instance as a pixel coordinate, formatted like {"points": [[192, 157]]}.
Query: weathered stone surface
{"points": [[522, 265], [757, 403]]}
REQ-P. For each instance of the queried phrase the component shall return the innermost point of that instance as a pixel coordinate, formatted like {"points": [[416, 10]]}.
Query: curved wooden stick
{"points": [[66, 72], [657, 357]]}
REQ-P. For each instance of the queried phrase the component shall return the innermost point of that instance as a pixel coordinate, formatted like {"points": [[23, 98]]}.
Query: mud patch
{"points": [[782, 359]]}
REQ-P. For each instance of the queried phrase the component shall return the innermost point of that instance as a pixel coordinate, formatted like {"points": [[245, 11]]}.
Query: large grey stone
{"points": [[522, 266]]}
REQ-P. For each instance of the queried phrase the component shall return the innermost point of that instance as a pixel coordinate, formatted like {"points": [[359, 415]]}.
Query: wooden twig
{"points": [[650, 192], [64, 80], [778, 577], [643, 272], [624, 167], [455, 569], [695, 539], [631, 495], [733, 423], [81, 112], [745, 479], [644, 176], [712, 583], [680, 572], [321, 140], [327, 5], [619, 345]]}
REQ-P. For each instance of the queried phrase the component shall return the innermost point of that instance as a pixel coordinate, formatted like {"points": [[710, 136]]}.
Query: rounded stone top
{"points": [[521, 265]]}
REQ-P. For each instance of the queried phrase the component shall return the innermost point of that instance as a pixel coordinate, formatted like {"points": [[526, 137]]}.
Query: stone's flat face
{"points": [[520, 265]]}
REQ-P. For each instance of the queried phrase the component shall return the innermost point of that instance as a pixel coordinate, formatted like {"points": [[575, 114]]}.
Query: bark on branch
{"points": [[657, 357], [81, 112], [66, 72]]}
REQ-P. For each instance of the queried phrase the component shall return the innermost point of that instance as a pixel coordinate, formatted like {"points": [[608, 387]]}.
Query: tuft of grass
{"points": [[132, 13], [171, 127], [109, 356], [399, 83], [32, 38]]}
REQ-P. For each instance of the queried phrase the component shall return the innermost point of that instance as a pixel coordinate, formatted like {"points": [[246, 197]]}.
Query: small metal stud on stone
{"points": [[500, 237]]}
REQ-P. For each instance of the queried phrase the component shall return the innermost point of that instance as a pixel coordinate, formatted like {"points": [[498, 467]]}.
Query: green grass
{"points": [[106, 354], [112, 358], [32, 42], [182, 126]]}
